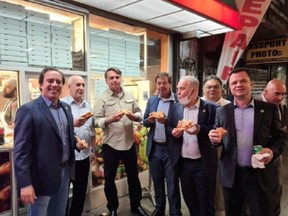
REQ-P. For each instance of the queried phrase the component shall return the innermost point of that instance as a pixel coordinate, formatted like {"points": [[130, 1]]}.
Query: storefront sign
{"points": [[214, 10], [267, 51], [251, 14]]}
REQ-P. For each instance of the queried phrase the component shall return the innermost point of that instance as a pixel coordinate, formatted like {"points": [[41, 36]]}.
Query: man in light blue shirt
{"points": [[84, 129]]}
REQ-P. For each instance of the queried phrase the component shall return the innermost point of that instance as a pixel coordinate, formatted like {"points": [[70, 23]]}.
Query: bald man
{"points": [[84, 129], [275, 93], [11, 106]]}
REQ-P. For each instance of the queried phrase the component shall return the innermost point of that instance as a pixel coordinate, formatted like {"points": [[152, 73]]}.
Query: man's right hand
{"points": [[27, 195], [115, 118], [214, 136]]}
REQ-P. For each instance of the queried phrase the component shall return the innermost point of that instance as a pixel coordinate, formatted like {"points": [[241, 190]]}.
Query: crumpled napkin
{"points": [[256, 160]]}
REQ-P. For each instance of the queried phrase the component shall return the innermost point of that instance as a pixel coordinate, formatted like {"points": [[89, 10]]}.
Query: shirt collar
{"points": [[111, 93], [196, 105], [171, 98], [70, 101], [251, 104], [49, 103]]}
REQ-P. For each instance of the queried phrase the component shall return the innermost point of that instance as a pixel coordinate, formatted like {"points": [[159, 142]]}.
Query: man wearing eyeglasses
{"points": [[275, 93], [212, 90]]}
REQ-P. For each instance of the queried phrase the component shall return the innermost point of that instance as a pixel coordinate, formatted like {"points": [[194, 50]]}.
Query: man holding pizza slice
{"points": [[160, 163], [248, 122], [85, 132], [191, 148]]}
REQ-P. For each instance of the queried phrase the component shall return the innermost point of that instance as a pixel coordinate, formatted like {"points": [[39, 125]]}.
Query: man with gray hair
{"points": [[191, 147]]}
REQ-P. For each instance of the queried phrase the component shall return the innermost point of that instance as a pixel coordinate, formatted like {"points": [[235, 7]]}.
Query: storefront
{"points": [[77, 40], [269, 59], [35, 35]]}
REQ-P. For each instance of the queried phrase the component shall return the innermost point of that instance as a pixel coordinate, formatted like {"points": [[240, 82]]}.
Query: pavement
{"points": [[147, 201]]}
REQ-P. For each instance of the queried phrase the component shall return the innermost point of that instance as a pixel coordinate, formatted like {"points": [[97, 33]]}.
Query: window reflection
{"points": [[8, 104]]}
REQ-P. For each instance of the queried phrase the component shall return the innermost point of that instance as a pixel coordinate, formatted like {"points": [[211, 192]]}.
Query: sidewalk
{"points": [[124, 202]]}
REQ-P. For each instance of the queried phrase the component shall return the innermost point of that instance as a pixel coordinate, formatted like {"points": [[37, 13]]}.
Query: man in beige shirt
{"points": [[114, 111]]}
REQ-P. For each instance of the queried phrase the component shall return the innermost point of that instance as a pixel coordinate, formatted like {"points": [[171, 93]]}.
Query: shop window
{"points": [[140, 54], [37, 35], [9, 103]]}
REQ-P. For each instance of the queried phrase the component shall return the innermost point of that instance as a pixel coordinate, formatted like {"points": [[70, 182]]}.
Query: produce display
{"points": [[140, 140]]}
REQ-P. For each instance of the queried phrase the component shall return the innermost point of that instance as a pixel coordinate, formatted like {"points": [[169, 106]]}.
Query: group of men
{"points": [[45, 145]]}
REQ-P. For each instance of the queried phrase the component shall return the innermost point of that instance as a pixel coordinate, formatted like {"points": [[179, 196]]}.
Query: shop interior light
{"points": [[171, 15]]}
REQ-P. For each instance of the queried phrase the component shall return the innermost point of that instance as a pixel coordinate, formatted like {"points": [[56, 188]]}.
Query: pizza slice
{"points": [[221, 132], [185, 124]]}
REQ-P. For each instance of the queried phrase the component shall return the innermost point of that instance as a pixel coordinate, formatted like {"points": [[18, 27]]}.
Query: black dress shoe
{"points": [[157, 213], [140, 211], [113, 213]]}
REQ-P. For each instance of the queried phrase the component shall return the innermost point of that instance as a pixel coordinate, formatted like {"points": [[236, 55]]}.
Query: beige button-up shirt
{"points": [[118, 135]]}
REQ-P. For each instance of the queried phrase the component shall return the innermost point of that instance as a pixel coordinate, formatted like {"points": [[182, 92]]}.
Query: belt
{"points": [[244, 168], [160, 143], [190, 159], [64, 164]]}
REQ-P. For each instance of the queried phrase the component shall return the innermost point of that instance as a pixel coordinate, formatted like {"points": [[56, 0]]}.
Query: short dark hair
{"points": [[116, 70], [163, 74], [45, 70], [242, 69], [212, 77]]}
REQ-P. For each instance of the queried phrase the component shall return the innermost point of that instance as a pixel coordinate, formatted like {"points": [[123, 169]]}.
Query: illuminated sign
{"points": [[211, 9], [267, 51]]}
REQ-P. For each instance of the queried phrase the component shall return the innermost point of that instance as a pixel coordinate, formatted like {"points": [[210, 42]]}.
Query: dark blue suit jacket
{"points": [[38, 147], [267, 132], [206, 118], [151, 106]]}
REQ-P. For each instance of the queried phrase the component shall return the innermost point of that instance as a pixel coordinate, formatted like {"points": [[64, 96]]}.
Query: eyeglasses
{"points": [[213, 87]]}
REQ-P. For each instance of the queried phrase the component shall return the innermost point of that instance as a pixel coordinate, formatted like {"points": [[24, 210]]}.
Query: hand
{"points": [[214, 136], [177, 132], [151, 119], [131, 116], [162, 120], [27, 195], [81, 144], [266, 160], [79, 121], [93, 158], [115, 118], [193, 130]]}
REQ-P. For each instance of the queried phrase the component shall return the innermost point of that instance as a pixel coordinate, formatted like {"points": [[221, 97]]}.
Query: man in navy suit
{"points": [[160, 163], [248, 122], [44, 148], [191, 147]]}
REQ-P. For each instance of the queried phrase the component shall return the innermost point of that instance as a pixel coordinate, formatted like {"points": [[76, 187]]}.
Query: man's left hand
{"points": [[266, 160]]}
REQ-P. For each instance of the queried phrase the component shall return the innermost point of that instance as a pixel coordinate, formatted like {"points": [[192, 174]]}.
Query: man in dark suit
{"points": [[160, 163], [44, 148], [275, 93], [248, 122], [191, 148]]}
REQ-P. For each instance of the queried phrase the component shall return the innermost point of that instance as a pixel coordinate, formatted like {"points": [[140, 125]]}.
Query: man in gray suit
{"points": [[248, 122]]}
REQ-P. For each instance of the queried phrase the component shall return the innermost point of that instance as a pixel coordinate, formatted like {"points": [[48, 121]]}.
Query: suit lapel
{"points": [[48, 115], [258, 115]]}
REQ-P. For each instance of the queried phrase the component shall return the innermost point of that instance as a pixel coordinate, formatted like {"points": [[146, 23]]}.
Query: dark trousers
{"points": [[111, 159], [197, 188], [161, 168], [82, 168], [246, 189], [274, 192]]}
